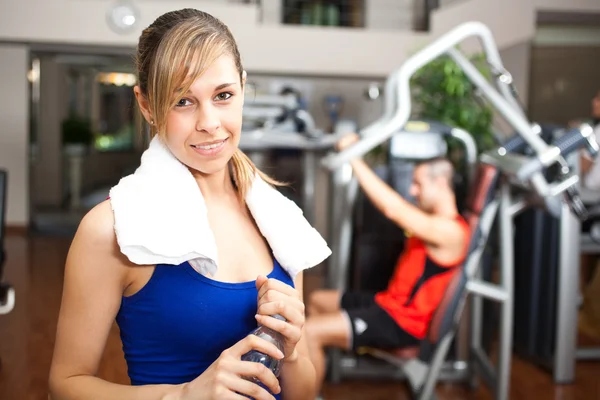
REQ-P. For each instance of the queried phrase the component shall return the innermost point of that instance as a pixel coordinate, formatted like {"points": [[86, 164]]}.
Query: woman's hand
{"points": [[228, 377], [276, 297]]}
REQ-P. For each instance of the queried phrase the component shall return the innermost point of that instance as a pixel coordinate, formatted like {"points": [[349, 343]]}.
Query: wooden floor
{"points": [[35, 266]]}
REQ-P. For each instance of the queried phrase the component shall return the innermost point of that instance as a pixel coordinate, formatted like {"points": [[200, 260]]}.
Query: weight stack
{"points": [[537, 247]]}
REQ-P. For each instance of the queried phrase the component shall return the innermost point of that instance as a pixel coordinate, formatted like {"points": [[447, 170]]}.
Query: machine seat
{"points": [[406, 353]]}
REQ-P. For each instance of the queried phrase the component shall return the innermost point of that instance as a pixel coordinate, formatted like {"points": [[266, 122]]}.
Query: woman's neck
{"points": [[216, 185]]}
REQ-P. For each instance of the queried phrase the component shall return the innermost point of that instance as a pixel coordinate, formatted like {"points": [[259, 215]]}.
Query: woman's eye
{"points": [[183, 103], [223, 96]]}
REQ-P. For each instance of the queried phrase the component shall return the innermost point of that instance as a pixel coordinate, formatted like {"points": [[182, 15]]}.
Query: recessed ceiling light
{"points": [[123, 16]]}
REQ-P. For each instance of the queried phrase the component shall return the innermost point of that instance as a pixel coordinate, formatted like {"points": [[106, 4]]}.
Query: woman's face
{"points": [[203, 128]]}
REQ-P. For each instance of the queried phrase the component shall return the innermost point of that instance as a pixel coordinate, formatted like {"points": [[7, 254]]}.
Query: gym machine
{"points": [[7, 292], [557, 193], [548, 245], [276, 122], [375, 243]]}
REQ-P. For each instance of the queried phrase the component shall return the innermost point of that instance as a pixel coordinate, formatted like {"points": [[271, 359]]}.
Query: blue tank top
{"points": [[178, 324]]}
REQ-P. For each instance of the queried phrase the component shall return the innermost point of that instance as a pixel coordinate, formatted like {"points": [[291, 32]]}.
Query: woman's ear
{"points": [[143, 103], [244, 80]]}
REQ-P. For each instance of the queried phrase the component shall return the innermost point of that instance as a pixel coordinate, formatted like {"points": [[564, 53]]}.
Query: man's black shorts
{"points": [[371, 325]]}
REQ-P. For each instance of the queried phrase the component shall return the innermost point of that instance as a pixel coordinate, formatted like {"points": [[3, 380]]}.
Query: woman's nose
{"points": [[208, 120]]}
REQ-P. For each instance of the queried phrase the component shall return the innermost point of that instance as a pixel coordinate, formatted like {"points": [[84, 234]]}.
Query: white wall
{"points": [[280, 49], [264, 48], [14, 130], [270, 47], [389, 14], [517, 60], [46, 169], [510, 21]]}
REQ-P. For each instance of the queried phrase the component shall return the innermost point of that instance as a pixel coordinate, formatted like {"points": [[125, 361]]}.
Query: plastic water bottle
{"points": [[271, 336]]}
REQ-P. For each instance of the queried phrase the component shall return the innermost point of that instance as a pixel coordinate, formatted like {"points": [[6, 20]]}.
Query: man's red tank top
{"points": [[418, 285]]}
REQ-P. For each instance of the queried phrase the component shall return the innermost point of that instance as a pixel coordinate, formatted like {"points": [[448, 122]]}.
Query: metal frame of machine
{"points": [[524, 171], [567, 351]]}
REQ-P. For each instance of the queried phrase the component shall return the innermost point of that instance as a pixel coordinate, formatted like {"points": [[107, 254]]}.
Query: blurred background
{"points": [[69, 126]]}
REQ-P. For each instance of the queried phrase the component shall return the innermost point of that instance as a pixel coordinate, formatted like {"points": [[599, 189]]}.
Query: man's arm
{"points": [[585, 160], [585, 163], [434, 230]]}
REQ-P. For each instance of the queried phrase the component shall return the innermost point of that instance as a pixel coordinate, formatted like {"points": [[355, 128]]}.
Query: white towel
{"points": [[161, 218]]}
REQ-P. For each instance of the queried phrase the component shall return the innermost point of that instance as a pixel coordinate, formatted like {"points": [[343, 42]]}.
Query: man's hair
{"points": [[440, 167]]}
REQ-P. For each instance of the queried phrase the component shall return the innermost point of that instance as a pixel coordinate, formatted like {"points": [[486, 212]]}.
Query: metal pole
{"points": [[568, 290], [514, 116], [336, 196], [507, 281], [309, 161], [444, 44], [343, 195]]}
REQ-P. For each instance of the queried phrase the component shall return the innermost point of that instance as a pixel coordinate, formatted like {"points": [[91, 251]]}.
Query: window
{"points": [[347, 13]]}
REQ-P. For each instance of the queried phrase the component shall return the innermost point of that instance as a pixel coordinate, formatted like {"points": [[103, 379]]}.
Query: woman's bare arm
{"points": [[95, 277], [298, 376]]}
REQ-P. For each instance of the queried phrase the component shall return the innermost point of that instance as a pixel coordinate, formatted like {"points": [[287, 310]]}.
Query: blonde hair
{"points": [[173, 52]]}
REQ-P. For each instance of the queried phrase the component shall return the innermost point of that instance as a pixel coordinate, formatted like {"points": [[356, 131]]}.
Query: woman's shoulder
{"points": [[98, 224], [96, 239]]}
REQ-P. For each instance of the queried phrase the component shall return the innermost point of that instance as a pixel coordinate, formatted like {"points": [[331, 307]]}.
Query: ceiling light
{"points": [[123, 16]]}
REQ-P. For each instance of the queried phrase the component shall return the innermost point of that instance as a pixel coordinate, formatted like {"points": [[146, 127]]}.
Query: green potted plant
{"points": [[442, 92], [77, 135]]}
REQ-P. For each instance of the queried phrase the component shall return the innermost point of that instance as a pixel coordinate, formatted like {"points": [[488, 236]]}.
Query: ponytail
{"points": [[243, 171]]}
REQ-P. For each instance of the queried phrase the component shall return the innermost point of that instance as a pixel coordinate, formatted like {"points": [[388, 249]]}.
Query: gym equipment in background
{"points": [[276, 122], [376, 241], [522, 184], [547, 249]]}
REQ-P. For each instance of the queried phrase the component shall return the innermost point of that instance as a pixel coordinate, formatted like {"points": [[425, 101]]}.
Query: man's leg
{"points": [[323, 301], [353, 328], [326, 330]]}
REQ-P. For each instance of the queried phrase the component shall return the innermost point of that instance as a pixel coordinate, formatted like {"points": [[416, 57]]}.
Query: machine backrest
{"points": [[480, 196], [3, 188]]}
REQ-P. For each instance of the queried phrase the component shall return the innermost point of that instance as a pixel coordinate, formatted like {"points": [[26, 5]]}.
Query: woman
{"points": [[190, 90]]}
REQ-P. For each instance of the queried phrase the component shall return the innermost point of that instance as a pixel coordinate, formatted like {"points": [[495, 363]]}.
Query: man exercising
{"points": [[397, 317]]}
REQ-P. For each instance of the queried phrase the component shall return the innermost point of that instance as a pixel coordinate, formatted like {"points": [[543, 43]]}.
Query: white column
{"points": [[389, 14], [14, 133], [271, 12]]}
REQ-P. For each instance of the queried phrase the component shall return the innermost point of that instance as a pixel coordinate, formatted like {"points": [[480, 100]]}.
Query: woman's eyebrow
{"points": [[224, 85], [219, 87]]}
